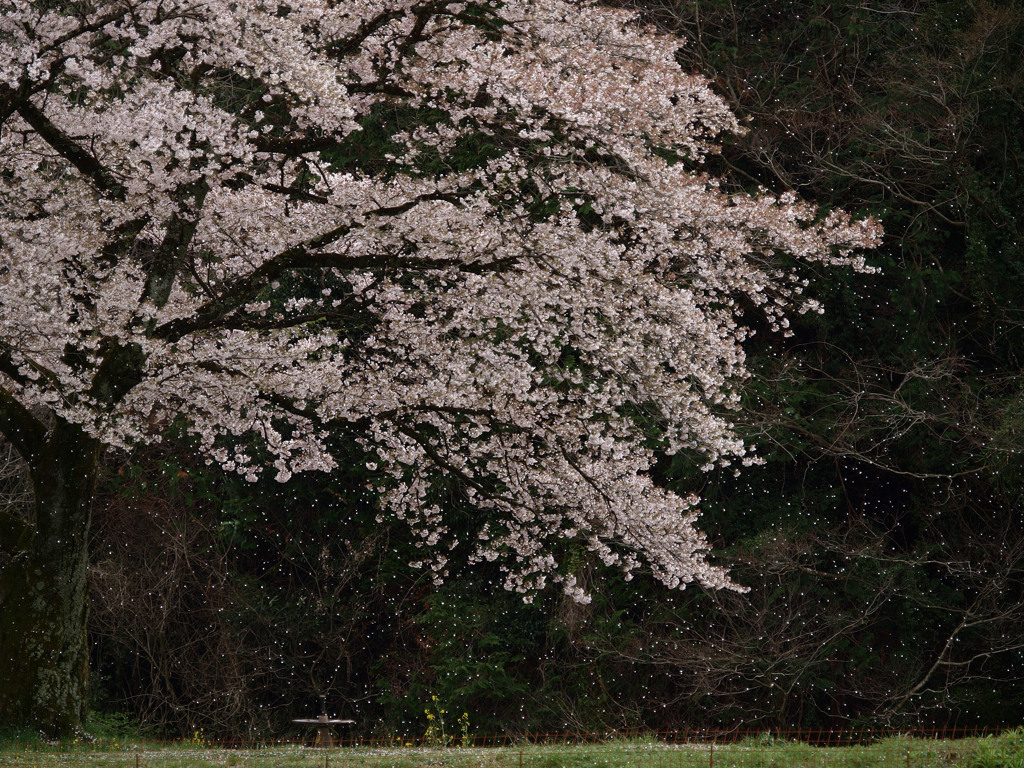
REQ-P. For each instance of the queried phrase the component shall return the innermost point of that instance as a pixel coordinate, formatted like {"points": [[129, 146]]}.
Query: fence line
{"points": [[821, 737]]}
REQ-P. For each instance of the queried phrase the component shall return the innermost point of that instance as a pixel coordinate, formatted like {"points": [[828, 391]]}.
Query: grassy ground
{"points": [[1006, 751]]}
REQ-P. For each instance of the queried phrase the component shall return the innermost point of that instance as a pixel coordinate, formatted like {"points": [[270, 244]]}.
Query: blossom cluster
{"points": [[478, 236]]}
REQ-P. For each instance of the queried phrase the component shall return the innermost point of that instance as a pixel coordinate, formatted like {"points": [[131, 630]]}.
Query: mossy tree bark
{"points": [[44, 654]]}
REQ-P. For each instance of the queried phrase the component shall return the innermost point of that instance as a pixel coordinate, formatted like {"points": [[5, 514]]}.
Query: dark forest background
{"points": [[882, 540]]}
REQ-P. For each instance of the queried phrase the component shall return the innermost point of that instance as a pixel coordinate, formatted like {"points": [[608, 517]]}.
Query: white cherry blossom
{"points": [[476, 236]]}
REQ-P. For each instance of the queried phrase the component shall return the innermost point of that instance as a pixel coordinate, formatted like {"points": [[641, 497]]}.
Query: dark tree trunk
{"points": [[44, 653]]}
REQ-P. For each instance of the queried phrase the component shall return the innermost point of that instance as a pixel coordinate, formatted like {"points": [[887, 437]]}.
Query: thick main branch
{"points": [[86, 163], [308, 255]]}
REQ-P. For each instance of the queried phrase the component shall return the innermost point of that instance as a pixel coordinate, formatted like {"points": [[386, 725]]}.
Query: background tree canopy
{"points": [[881, 541]]}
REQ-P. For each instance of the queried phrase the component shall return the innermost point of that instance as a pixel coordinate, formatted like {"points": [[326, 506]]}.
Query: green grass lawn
{"points": [[1006, 751]]}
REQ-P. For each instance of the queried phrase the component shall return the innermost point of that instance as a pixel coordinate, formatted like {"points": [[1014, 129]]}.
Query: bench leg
{"points": [[324, 736]]}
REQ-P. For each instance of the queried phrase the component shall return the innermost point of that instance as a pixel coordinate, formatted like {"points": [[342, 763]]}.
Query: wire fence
{"points": [[960, 748]]}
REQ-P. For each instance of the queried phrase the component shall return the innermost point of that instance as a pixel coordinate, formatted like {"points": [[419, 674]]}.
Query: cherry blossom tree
{"points": [[475, 237]]}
